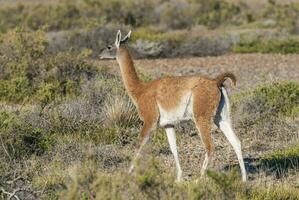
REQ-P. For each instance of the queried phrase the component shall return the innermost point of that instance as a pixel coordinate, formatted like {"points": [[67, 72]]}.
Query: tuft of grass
{"points": [[119, 112]]}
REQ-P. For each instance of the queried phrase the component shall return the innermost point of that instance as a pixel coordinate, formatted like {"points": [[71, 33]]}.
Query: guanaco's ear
{"points": [[118, 39], [127, 37]]}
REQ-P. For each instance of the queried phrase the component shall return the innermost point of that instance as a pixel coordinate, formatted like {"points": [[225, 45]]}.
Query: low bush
{"points": [[268, 112], [31, 73], [271, 100], [15, 90], [21, 139], [284, 46]]}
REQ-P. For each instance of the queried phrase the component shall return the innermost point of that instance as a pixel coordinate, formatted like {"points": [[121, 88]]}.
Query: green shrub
{"points": [[21, 139], [268, 46], [271, 100], [32, 73], [28, 141], [279, 98], [15, 90], [6, 120], [48, 92], [21, 53]]}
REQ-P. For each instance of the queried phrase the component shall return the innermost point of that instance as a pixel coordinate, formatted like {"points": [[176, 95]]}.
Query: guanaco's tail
{"points": [[222, 77]]}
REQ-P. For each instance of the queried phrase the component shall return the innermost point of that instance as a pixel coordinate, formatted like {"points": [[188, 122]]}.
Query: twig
{"points": [[10, 195], [5, 150], [14, 180]]}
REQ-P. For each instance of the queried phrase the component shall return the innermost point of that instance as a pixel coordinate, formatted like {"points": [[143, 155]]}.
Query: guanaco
{"points": [[171, 99]]}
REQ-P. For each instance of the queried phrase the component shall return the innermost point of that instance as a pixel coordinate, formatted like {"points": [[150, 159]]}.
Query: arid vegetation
{"points": [[68, 130], [178, 28]]}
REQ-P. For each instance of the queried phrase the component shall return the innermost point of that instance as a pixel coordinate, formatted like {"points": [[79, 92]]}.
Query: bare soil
{"points": [[250, 69]]}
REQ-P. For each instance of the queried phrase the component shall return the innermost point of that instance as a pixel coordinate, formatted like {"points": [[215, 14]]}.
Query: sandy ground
{"points": [[250, 69]]}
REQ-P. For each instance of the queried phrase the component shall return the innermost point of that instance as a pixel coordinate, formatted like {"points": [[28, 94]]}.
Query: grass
{"points": [[282, 192], [150, 184]]}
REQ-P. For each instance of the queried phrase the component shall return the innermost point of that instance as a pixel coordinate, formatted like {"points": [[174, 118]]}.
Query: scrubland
{"points": [[68, 130]]}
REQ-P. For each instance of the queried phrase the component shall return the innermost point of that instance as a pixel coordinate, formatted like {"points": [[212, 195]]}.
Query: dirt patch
{"points": [[250, 69]]}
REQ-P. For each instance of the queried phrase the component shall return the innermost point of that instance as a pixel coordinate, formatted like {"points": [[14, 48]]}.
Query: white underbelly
{"points": [[182, 112]]}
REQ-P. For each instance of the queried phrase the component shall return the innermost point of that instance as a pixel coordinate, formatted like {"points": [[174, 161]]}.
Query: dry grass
{"points": [[119, 111]]}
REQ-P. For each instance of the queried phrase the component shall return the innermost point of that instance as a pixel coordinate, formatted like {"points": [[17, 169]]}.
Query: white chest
{"points": [[182, 112]]}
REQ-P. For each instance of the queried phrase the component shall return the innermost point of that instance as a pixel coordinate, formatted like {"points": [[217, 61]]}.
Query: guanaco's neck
{"points": [[128, 72]]}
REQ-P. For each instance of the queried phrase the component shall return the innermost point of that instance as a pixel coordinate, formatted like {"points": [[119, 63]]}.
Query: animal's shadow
{"points": [[279, 167]]}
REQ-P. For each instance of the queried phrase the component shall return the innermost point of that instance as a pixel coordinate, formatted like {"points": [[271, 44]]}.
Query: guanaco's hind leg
{"points": [[223, 121], [204, 107], [204, 128]]}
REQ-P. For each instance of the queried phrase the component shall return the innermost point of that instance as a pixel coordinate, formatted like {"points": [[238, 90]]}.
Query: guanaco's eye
{"points": [[109, 47]]}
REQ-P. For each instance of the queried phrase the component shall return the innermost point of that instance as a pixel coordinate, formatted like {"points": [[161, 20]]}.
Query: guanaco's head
{"points": [[110, 51]]}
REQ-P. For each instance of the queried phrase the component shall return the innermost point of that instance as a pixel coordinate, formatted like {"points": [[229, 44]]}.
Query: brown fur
{"points": [[167, 92], [222, 77]]}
